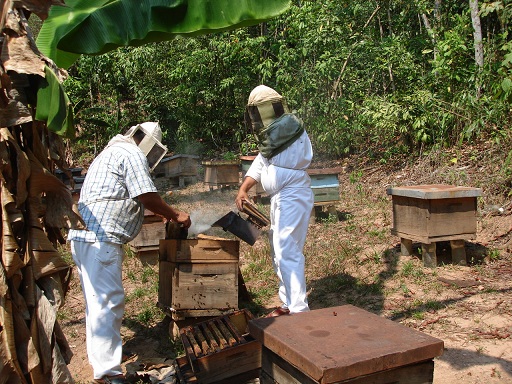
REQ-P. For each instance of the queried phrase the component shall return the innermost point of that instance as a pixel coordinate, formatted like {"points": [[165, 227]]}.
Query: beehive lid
{"points": [[341, 343], [325, 171], [248, 158], [216, 163], [434, 191]]}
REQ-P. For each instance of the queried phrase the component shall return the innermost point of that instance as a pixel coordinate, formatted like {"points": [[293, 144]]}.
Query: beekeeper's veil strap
{"points": [[151, 142], [264, 106]]}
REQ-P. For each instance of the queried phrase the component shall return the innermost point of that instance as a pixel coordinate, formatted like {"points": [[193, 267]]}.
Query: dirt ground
{"points": [[470, 308]]}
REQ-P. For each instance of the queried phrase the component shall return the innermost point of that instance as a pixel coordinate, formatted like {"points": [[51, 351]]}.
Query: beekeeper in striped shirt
{"points": [[116, 190]]}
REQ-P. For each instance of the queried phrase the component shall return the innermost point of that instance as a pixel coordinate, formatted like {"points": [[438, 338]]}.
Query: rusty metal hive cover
{"points": [[340, 343]]}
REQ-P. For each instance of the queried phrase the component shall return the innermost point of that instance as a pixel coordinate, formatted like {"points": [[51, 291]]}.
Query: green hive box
{"points": [[325, 184]]}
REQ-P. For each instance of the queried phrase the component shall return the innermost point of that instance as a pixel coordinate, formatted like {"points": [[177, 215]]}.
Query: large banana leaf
{"points": [[99, 26], [53, 105]]}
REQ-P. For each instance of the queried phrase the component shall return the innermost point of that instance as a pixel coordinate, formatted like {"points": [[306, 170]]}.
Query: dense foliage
{"points": [[384, 77]]}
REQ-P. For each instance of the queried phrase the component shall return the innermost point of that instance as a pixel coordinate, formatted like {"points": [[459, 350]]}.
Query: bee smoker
{"points": [[175, 230], [247, 229]]}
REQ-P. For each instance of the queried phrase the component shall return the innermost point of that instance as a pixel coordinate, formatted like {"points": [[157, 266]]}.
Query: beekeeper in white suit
{"points": [[115, 192], [285, 153]]}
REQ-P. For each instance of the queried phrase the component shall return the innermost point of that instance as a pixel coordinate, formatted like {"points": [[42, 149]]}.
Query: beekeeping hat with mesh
{"points": [[263, 107], [148, 137]]}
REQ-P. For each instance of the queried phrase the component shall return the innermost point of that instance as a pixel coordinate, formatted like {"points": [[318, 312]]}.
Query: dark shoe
{"points": [[279, 312], [118, 379]]}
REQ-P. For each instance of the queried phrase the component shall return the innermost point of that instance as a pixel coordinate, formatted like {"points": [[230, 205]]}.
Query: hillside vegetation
{"points": [[378, 78]]}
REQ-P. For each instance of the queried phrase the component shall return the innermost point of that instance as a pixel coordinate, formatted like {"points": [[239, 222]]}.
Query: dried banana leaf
{"points": [[26, 352], [10, 370], [61, 211], [45, 317], [17, 298], [39, 7], [11, 248], [45, 259], [37, 374], [15, 109], [29, 281], [5, 7], [62, 342], [60, 370], [53, 288], [21, 168], [19, 53]]}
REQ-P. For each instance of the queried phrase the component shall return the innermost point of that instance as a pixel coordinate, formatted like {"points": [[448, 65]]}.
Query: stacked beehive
{"points": [[198, 277]]}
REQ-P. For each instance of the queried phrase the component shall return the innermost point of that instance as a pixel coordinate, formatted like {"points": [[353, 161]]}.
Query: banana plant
{"points": [[99, 26]]}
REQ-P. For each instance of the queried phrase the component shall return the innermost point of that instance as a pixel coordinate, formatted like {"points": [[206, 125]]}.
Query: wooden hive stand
{"points": [[433, 213]]}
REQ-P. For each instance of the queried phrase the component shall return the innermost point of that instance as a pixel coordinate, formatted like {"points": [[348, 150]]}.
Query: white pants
{"points": [[290, 210], [100, 269]]}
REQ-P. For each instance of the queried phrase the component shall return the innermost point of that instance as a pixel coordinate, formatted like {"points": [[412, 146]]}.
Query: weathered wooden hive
{"points": [[219, 173], [146, 243], [198, 277], [180, 169]]}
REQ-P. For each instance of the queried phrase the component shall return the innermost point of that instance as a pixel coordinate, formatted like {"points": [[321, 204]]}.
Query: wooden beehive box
{"points": [[221, 173], [198, 277], [146, 243], [343, 344], [325, 184], [219, 350], [246, 162], [178, 167], [432, 213]]}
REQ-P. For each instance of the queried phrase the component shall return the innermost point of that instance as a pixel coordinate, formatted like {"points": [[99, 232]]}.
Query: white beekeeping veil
{"points": [[264, 106], [151, 142]]}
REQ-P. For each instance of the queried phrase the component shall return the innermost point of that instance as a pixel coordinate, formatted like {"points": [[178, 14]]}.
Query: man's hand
{"points": [[240, 198], [158, 206], [183, 219], [242, 195]]}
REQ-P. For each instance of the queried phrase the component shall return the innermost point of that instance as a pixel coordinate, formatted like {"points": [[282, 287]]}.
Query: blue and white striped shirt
{"points": [[108, 201]]}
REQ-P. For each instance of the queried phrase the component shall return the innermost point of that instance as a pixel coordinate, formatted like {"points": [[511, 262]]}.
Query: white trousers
{"points": [[99, 266], [290, 210]]}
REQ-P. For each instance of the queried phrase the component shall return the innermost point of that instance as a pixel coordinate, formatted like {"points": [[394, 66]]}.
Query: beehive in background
{"points": [[180, 169], [325, 184], [246, 162], [78, 179], [219, 173]]}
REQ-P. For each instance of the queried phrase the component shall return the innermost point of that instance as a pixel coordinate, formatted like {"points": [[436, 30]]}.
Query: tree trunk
{"points": [[430, 32], [390, 69], [479, 49], [477, 33]]}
